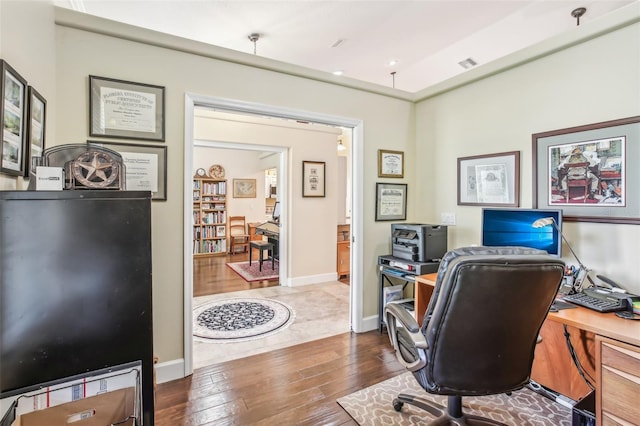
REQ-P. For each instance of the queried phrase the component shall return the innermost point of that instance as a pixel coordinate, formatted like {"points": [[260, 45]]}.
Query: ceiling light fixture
{"points": [[467, 63], [393, 62], [254, 37], [577, 13], [338, 72], [341, 147]]}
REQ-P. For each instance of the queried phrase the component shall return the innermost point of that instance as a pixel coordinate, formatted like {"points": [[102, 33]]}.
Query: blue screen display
{"points": [[503, 227]]}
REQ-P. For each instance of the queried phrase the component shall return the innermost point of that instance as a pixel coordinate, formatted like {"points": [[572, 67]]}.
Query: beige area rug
{"points": [[322, 310], [373, 406]]}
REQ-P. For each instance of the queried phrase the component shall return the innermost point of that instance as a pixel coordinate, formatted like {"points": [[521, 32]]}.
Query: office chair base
{"points": [[443, 417]]}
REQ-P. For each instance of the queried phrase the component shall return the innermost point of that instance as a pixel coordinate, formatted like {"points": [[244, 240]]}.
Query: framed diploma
{"points": [[390, 163], [489, 180], [391, 201], [123, 109], [145, 167]]}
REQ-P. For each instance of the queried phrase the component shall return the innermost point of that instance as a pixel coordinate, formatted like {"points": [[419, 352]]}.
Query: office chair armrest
{"points": [[396, 317], [398, 312]]}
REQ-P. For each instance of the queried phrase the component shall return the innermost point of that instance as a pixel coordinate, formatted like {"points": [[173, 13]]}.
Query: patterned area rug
{"points": [[252, 273], [240, 319], [373, 406]]}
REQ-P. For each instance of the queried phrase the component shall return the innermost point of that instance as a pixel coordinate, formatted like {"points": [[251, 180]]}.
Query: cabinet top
{"points": [[73, 194]]}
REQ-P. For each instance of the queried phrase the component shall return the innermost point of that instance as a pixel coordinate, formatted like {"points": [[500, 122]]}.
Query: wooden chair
{"points": [[577, 177], [238, 236]]}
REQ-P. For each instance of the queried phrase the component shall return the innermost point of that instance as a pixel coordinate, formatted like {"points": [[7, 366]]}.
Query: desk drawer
{"points": [[619, 380]]}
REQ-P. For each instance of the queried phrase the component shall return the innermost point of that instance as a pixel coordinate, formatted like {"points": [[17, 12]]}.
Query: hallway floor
{"points": [[322, 310]]}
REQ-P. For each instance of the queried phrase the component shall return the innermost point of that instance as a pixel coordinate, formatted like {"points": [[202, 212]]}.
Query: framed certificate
{"points": [[122, 109], [390, 163]]}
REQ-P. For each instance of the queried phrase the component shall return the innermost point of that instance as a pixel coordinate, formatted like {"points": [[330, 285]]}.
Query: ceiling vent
{"points": [[467, 63]]}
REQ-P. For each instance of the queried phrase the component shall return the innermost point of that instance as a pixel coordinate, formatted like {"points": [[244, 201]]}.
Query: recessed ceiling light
{"points": [[392, 62], [338, 72]]}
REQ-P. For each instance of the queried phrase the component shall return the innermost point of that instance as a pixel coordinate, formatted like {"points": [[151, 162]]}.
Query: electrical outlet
{"points": [[448, 218]]}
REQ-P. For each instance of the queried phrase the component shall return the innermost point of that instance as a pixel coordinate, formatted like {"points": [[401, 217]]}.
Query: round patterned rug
{"points": [[240, 319]]}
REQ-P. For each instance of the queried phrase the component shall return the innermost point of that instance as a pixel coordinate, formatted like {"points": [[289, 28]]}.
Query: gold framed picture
{"points": [[390, 163], [244, 188]]}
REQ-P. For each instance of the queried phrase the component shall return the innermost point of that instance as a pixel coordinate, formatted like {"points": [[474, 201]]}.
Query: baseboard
{"points": [[313, 279], [170, 370], [370, 323]]}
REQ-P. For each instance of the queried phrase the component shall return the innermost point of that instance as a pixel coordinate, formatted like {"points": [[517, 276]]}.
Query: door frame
{"points": [[192, 100]]}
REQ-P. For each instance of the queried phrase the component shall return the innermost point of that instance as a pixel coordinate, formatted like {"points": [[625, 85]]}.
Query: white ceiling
{"points": [[427, 37]]}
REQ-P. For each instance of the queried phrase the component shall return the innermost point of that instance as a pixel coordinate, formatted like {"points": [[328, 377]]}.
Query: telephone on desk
{"points": [[604, 299]]}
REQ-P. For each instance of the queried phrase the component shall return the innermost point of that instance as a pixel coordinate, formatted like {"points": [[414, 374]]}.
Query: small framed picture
{"points": [[390, 163], [221, 231], [36, 120], [391, 201], [313, 178], [244, 188]]}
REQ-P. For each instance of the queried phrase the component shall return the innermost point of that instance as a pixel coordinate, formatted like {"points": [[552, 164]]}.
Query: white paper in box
{"points": [[74, 390], [49, 178]]}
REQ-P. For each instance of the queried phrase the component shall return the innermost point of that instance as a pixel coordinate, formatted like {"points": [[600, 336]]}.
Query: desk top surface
{"points": [[608, 325]]}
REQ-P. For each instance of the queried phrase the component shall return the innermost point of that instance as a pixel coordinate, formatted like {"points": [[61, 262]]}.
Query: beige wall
{"points": [[388, 123], [595, 81], [27, 43], [590, 82]]}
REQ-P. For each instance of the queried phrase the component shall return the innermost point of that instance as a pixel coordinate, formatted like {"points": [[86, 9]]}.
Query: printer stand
{"points": [[398, 271]]}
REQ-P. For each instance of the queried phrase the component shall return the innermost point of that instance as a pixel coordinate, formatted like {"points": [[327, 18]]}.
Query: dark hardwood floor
{"points": [[212, 276], [298, 385]]}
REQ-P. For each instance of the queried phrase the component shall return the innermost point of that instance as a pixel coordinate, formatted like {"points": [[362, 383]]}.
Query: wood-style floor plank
{"points": [[291, 386]]}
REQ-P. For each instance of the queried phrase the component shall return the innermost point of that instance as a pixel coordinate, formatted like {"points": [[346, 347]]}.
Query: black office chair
{"points": [[480, 329]]}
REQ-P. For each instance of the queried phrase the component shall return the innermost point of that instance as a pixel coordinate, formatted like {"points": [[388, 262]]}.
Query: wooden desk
{"points": [[607, 346]]}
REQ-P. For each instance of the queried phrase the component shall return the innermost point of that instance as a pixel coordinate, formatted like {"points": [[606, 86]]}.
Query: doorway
{"points": [[194, 101]]}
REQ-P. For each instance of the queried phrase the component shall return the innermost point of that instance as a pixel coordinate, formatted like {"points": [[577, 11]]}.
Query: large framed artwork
{"points": [[13, 117], [145, 167], [123, 109], [391, 201], [588, 171], [489, 180]]}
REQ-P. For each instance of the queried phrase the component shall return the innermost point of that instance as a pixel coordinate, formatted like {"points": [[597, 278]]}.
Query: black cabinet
{"points": [[75, 287]]}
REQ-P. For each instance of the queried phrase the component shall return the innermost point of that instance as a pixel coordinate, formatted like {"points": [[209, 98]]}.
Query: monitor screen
{"points": [[276, 212], [505, 227]]}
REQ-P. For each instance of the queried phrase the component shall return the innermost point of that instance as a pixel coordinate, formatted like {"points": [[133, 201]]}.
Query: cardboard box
{"points": [[100, 410]]}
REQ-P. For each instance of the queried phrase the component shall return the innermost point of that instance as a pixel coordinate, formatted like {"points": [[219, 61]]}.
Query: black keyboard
{"points": [[597, 304]]}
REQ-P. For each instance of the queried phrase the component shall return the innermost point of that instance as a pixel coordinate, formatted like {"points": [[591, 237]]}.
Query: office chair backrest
{"points": [[484, 318]]}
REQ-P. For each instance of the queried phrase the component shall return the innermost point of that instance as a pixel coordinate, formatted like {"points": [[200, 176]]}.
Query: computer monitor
{"points": [[513, 227], [275, 216]]}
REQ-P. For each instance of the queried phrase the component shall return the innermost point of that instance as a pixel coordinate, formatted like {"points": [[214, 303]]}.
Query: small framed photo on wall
{"points": [[313, 178]]}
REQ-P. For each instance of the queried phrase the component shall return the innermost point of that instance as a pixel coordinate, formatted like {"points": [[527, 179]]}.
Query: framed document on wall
{"points": [[123, 109]]}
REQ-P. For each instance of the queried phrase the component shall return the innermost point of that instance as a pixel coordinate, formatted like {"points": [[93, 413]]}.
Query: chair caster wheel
{"points": [[397, 404]]}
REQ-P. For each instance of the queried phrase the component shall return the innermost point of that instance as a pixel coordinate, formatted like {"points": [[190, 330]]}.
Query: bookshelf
{"points": [[209, 217]]}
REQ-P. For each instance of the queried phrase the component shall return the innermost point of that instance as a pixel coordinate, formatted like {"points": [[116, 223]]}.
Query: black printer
{"points": [[418, 242]]}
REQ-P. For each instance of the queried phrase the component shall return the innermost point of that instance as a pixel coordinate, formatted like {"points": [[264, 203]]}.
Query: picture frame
{"points": [[221, 231], [244, 188], [145, 167], [13, 111], [489, 180], [313, 178], [390, 163], [391, 201], [588, 172], [36, 127], [125, 109]]}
